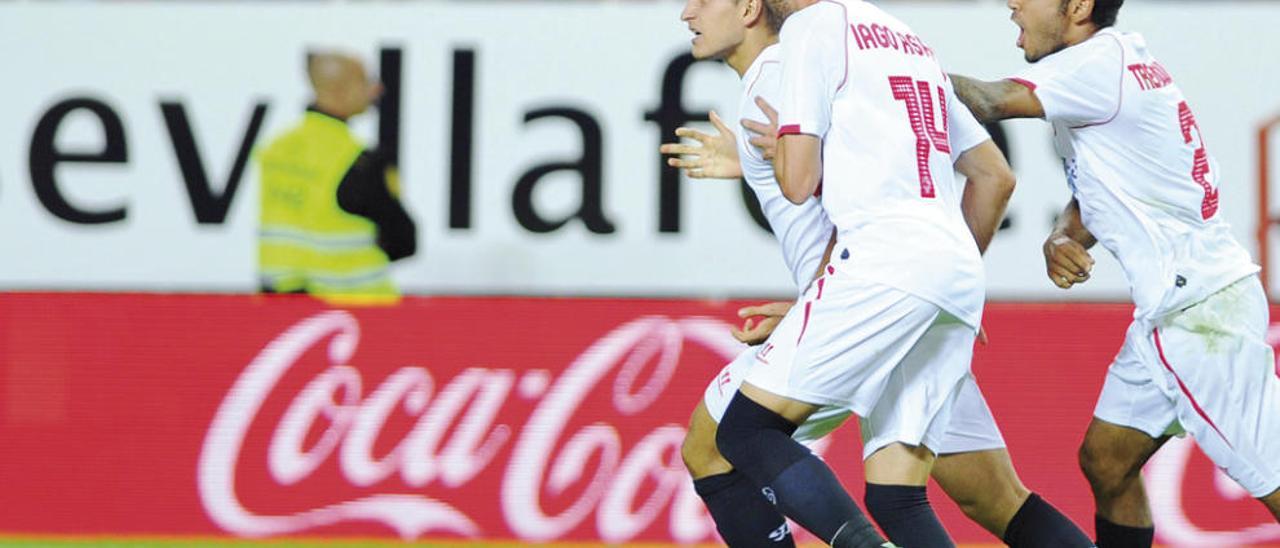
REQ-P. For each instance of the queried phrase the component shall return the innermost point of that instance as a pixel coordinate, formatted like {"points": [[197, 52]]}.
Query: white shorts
{"points": [[972, 427], [914, 402], [724, 385], [1208, 371]]}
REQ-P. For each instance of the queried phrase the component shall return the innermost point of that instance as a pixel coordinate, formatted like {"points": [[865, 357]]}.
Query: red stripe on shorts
{"points": [[1183, 386], [805, 325]]}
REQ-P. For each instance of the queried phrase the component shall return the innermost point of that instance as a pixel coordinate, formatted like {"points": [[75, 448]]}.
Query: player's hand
{"points": [[714, 157], [759, 321], [1066, 261], [764, 135]]}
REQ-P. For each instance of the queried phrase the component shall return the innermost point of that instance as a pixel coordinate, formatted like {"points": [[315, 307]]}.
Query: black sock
{"points": [[758, 443], [743, 516], [812, 495], [904, 513], [1038, 524], [1111, 535]]}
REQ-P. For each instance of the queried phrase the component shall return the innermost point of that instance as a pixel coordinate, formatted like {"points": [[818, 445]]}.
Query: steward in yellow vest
{"points": [[331, 222]]}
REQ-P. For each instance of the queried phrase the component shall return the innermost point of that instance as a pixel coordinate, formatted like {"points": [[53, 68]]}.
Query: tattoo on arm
{"points": [[995, 101], [976, 95]]}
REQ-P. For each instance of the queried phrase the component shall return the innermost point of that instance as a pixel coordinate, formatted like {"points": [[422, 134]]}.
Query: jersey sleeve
{"points": [[1081, 84], [814, 68], [963, 130]]}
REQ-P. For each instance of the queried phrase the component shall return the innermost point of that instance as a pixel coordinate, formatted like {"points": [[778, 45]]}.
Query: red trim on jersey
{"points": [[1183, 386], [789, 129], [805, 325], [845, 31], [820, 282], [1028, 83]]}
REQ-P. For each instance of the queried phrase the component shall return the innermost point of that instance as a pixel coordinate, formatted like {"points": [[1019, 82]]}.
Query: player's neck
{"points": [[747, 52], [1079, 33]]}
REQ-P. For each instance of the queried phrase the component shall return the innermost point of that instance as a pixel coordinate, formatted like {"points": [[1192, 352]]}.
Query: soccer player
{"points": [[739, 32], [1143, 185]]}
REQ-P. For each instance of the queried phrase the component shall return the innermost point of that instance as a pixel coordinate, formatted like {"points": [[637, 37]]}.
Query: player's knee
{"points": [[733, 437], [990, 509], [1105, 471], [972, 507], [699, 453], [1087, 458], [749, 430]]}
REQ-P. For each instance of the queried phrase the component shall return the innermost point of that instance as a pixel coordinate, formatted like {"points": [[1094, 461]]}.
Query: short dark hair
{"points": [[772, 17], [1105, 11]]}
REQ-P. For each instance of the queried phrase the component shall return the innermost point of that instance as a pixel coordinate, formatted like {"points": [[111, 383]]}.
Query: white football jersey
{"points": [[802, 230], [1137, 164], [875, 94]]}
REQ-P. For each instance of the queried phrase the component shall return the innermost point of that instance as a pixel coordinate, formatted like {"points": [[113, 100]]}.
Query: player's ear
{"points": [[752, 11], [1080, 11]]}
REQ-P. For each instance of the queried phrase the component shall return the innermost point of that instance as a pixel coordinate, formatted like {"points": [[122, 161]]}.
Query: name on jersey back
{"points": [[877, 36]]}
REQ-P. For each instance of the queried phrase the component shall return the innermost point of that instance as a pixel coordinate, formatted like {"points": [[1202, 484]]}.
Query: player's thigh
{"points": [[980, 477], [1228, 393], [972, 427], [921, 393], [899, 464], [973, 466], [701, 457]]}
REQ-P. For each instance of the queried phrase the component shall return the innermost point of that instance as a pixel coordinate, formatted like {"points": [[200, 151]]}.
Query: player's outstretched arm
{"points": [[986, 192], [1066, 251], [999, 100], [713, 157]]}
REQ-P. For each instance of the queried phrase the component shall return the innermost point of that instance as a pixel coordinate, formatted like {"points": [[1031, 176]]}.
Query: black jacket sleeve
{"points": [[363, 191]]}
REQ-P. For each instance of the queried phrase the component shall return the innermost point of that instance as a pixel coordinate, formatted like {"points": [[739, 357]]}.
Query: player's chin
{"points": [[702, 53]]}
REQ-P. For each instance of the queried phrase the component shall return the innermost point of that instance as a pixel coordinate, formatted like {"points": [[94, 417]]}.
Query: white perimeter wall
{"points": [[220, 60]]}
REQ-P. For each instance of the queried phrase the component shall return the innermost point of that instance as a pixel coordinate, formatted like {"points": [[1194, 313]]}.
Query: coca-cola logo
{"points": [[1167, 476], [546, 455], [568, 449]]}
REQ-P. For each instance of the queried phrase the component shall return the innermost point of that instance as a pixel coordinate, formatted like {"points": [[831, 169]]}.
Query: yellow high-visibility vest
{"points": [[305, 240]]}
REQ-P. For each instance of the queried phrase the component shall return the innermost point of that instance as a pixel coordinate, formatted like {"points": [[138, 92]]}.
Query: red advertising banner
{"points": [[511, 419]]}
